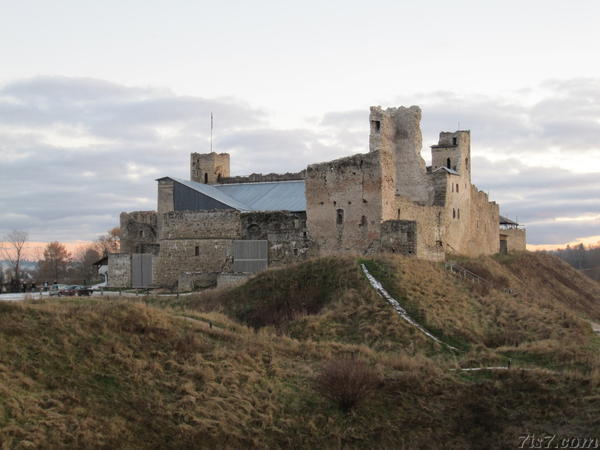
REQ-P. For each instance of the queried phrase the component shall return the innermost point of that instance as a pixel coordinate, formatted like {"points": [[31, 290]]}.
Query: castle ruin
{"points": [[217, 229]]}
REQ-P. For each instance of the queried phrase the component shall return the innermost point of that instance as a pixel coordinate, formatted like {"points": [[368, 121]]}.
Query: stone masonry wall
{"points": [[217, 224], [260, 178], [398, 131], [192, 255], [139, 232], [286, 232], [119, 270], [399, 236], [515, 239], [345, 203], [209, 167], [195, 241], [429, 227], [165, 196]]}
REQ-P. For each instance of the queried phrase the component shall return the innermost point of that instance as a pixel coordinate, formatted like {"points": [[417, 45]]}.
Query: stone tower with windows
{"points": [[453, 151], [209, 168]]}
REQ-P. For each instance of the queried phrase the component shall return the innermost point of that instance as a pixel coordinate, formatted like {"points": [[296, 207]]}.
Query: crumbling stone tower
{"points": [[397, 131], [209, 168]]}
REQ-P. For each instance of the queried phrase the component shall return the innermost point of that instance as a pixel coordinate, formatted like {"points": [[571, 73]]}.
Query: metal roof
{"points": [[507, 221], [212, 192], [268, 196], [450, 171]]}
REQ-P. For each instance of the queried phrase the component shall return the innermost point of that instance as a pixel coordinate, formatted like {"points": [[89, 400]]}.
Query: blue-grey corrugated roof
{"points": [[268, 196], [212, 192]]}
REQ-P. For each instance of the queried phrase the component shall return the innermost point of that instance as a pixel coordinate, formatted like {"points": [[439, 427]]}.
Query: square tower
{"points": [[209, 168], [453, 151]]}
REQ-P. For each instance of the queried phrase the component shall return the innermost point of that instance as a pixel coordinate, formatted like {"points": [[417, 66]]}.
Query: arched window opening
{"points": [[205, 178], [448, 163]]}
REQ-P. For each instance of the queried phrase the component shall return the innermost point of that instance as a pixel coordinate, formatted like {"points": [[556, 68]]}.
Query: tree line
{"points": [[55, 264], [584, 258]]}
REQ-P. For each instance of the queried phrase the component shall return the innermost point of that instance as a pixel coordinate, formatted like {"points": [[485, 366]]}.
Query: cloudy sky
{"points": [[97, 99]]}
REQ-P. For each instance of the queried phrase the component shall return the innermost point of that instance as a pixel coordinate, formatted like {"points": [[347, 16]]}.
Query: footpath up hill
{"points": [[273, 363]]}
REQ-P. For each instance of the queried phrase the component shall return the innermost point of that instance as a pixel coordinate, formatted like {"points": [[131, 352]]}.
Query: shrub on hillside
{"points": [[347, 381]]}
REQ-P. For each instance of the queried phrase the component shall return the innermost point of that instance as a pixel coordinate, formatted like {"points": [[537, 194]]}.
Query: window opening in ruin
{"points": [[453, 141], [398, 213], [334, 203], [197, 251], [295, 252], [205, 178], [141, 233], [218, 178], [376, 125], [363, 221], [453, 213], [458, 213], [340, 216], [305, 234], [448, 163], [466, 163], [457, 188]]}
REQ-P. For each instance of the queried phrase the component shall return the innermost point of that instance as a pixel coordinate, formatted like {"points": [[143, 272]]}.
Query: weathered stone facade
{"points": [[119, 270], [385, 200]]}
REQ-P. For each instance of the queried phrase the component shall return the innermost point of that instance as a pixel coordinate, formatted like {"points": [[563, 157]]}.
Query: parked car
{"points": [[68, 291], [56, 289], [83, 290]]}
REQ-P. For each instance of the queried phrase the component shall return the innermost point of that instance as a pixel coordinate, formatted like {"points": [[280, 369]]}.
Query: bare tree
{"points": [[13, 252], [109, 242]]}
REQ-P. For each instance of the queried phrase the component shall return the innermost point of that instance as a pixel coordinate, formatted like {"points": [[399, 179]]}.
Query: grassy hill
{"points": [[244, 367]]}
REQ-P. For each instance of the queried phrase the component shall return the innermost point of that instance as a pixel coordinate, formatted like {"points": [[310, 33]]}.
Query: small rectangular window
{"points": [[453, 141], [340, 216], [197, 251], [376, 126]]}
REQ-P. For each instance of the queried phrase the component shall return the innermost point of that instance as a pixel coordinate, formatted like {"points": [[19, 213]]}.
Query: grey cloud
{"points": [[47, 191]]}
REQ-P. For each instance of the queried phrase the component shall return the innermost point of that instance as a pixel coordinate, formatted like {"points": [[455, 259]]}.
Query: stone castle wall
{"points": [[286, 232], [260, 178], [119, 270], [345, 203], [515, 239], [139, 232]]}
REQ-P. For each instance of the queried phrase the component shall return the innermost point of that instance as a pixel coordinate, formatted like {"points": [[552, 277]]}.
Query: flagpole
{"points": [[211, 131]]}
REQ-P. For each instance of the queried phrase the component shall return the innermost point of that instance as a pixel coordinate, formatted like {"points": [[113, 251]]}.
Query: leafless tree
{"points": [[13, 251]]}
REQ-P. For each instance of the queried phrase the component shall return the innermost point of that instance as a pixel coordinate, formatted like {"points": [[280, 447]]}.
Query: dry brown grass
{"points": [[121, 374]]}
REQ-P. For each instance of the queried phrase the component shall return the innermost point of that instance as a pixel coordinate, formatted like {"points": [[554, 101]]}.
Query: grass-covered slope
{"points": [[120, 374]]}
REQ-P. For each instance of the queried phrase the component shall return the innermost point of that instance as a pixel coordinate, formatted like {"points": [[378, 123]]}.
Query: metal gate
{"points": [[250, 256], [141, 270]]}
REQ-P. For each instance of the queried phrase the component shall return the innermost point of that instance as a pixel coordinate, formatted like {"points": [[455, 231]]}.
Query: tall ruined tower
{"points": [[453, 151], [398, 131], [209, 168]]}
